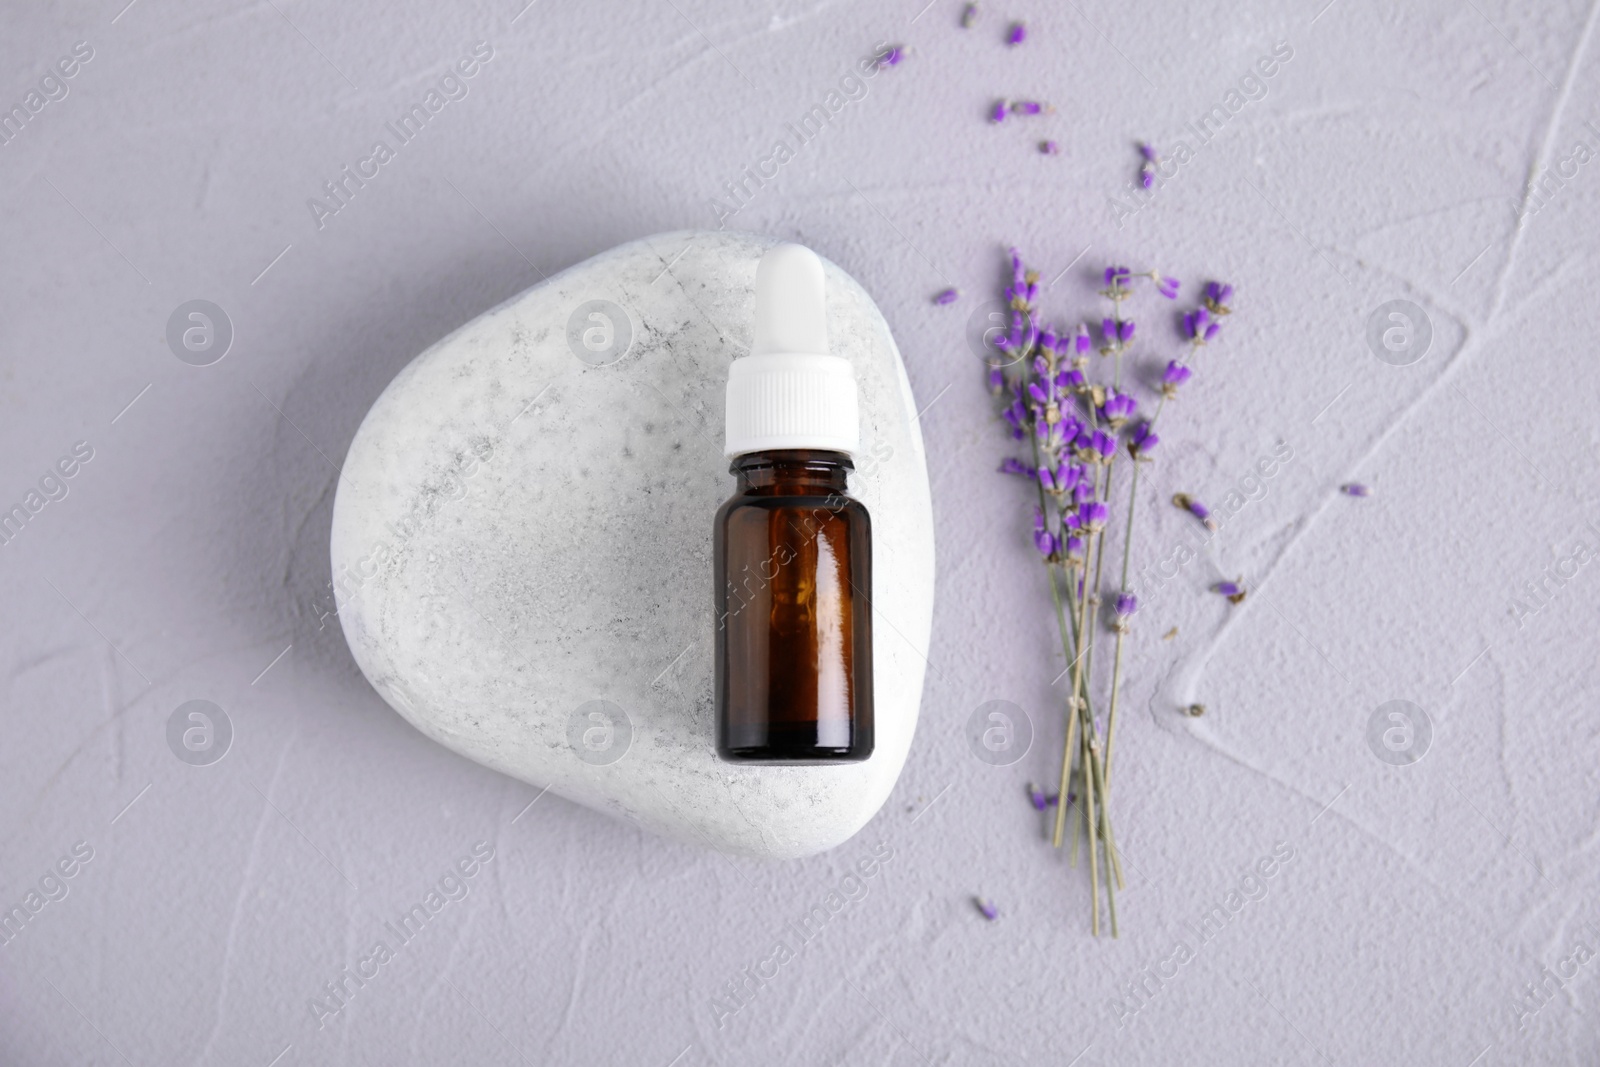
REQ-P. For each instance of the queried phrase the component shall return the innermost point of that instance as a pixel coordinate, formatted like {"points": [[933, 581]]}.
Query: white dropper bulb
{"points": [[790, 392], [791, 303]]}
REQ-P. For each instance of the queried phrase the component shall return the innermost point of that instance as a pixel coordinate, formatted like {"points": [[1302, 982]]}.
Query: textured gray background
{"points": [[1387, 160]]}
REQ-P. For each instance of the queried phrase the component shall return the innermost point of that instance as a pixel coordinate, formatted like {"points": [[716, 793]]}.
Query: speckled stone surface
{"points": [[523, 528]]}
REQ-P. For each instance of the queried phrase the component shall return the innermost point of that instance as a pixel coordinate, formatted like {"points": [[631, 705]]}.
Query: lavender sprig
{"points": [[1076, 428]]}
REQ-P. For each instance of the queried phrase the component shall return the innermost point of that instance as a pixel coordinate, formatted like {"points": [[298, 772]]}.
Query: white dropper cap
{"points": [[789, 392]]}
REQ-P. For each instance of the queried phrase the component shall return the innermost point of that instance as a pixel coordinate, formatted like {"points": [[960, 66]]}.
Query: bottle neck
{"points": [[792, 471]]}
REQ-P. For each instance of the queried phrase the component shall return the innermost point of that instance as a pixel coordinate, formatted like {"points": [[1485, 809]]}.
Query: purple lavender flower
{"points": [[1355, 489], [1167, 286], [1195, 508], [1116, 333], [1198, 326], [1093, 514], [1175, 374], [997, 379], [1117, 277], [1147, 169], [1118, 408], [1104, 444], [1081, 342], [1043, 539], [999, 112], [1125, 604], [1217, 297], [1142, 440], [986, 908], [1064, 479], [1049, 148], [1047, 341], [1074, 378], [947, 296], [1018, 34], [1015, 415]]}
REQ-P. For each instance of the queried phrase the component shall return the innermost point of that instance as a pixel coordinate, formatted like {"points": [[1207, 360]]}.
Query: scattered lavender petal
{"points": [[948, 296], [1355, 489], [999, 112], [1049, 148], [969, 15], [1018, 34], [986, 909], [892, 57]]}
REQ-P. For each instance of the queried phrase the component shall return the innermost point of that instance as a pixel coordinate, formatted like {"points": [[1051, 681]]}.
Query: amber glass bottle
{"points": [[793, 583], [794, 622]]}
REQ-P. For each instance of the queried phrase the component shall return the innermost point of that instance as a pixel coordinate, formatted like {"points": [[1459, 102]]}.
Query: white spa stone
{"points": [[519, 532]]}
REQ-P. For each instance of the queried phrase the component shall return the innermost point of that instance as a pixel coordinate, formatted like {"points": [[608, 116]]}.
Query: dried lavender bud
{"points": [[986, 909], [1043, 539], [1018, 34], [999, 115], [1355, 489], [1170, 634], [1030, 107], [1148, 151], [1166, 286], [1049, 148], [1195, 508], [1195, 710], [1217, 297], [947, 296], [1142, 440], [1175, 375], [892, 57], [1118, 408], [1081, 342], [1232, 590], [969, 15], [1042, 800], [1016, 466]]}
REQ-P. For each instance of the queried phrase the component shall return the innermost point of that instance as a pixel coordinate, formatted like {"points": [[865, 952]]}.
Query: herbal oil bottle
{"points": [[793, 566]]}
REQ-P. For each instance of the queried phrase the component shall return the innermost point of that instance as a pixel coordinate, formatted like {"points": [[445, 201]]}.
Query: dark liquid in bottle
{"points": [[794, 622]]}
